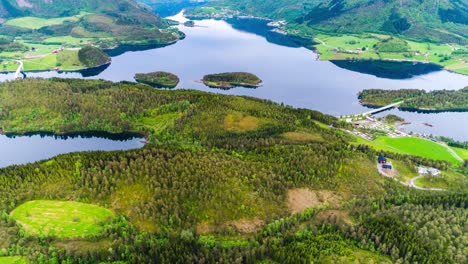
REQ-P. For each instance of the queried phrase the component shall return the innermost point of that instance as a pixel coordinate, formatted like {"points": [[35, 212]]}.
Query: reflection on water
{"points": [[388, 69], [21, 149]]}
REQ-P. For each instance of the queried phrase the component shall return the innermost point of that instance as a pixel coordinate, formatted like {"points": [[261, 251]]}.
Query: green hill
{"points": [[221, 179], [35, 29]]}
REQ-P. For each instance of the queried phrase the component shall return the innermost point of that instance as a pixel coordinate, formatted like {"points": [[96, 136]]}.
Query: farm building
{"points": [[382, 159]]}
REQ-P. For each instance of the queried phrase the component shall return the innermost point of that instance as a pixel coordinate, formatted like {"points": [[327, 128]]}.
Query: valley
{"points": [[333, 133]]}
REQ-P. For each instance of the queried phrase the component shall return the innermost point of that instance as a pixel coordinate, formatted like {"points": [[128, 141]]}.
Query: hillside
{"points": [[124, 9], [433, 20], [36, 30], [416, 31], [222, 179]]}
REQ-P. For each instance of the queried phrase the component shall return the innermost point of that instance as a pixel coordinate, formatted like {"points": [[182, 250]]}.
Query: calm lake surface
{"points": [[25, 149], [290, 74]]}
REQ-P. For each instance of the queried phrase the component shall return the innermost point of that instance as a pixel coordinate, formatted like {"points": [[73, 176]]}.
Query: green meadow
{"points": [[340, 47], [413, 146], [61, 219], [14, 260], [37, 22]]}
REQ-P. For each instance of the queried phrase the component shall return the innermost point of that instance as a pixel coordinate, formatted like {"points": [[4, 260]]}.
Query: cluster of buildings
{"points": [[428, 171]]}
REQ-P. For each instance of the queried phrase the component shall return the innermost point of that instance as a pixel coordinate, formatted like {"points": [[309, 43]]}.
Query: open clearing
{"points": [[61, 219], [14, 260], [302, 198], [37, 22], [413, 146]]}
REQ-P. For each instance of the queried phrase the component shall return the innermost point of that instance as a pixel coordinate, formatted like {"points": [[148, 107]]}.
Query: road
{"points": [[382, 108], [412, 184], [18, 71]]}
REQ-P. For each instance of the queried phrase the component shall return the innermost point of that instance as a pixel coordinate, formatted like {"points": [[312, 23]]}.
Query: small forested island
{"points": [[228, 80], [91, 56], [189, 23], [414, 99], [159, 79]]}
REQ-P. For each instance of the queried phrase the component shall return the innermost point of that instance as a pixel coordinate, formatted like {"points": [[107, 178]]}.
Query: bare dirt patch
{"points": [[204, 228], [303, 198], [339, 217], [302, 137], [247, 225]]}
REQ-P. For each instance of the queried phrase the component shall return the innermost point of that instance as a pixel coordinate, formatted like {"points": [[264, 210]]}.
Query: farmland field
{"points": [[419, 147], [37, 22]]}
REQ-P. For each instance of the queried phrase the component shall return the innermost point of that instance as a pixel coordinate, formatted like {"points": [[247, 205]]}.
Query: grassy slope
{"points": [[412, 145], [61, 219], [463, 153], [37, 22]]}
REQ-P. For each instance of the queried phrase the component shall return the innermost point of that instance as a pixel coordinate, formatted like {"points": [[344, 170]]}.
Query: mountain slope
{"points": [[50, 8], [433, 20]]}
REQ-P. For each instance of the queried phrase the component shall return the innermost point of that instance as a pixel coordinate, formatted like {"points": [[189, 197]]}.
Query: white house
{"points": [[427, 171]]}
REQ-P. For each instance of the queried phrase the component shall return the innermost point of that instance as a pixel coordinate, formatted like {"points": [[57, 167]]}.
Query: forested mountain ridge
{"points": [[64, 8], [433, 20]]}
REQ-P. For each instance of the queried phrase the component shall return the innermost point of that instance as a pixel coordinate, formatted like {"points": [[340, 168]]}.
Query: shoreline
{"points": [[418, 110], [102, 134], [112, 52], [314, 48]]}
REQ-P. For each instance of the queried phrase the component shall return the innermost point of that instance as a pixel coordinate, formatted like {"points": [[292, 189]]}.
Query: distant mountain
{"points": [[127, 9], [434, 20]]}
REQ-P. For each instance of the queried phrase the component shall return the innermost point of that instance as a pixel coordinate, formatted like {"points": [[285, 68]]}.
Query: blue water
{"points": [[290, 74], [25, 149]]}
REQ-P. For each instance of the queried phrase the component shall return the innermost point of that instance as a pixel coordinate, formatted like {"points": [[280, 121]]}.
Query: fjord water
{"points": [[291, 74], [16, 150]]}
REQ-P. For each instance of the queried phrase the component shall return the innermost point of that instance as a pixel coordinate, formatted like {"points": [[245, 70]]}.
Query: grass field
{"points": [[412, 145], [347, 46], [13, 260], [463, 153], [419, 147], [67, 40], [61, 219], [37, 22]]}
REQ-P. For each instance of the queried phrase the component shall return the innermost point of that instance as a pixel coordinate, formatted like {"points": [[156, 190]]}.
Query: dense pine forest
{"points": [[222, 179], [438, 100]]}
